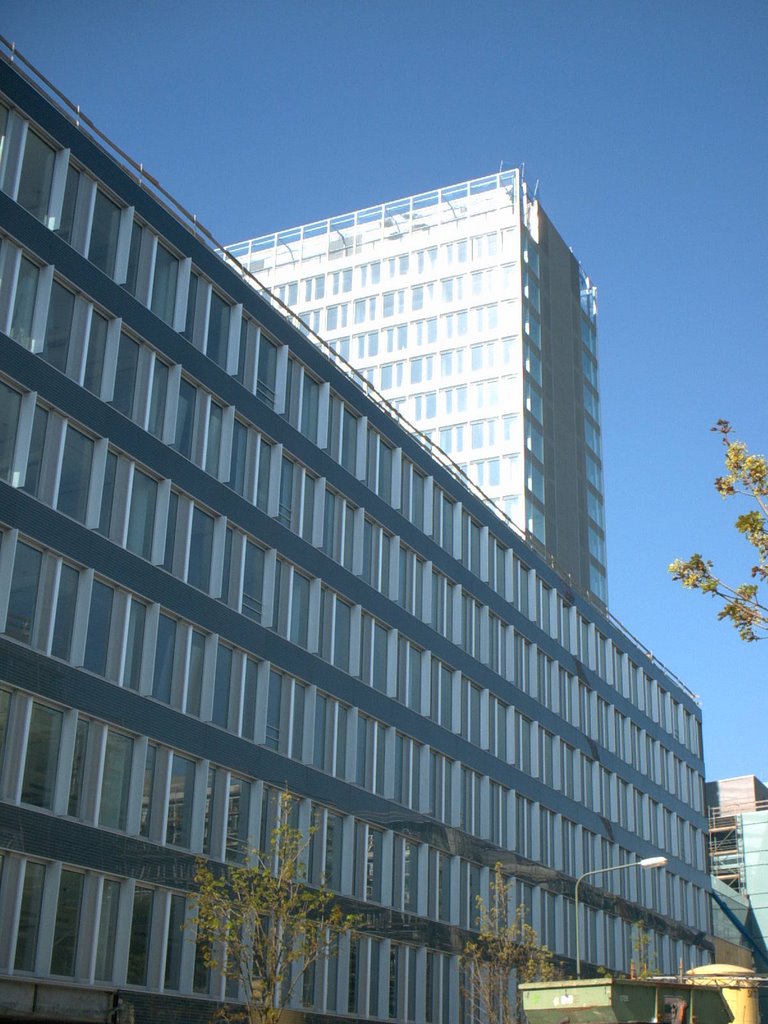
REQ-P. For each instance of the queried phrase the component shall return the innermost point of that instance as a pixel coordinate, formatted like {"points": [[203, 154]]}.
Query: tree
{"points": [[262, 926], [506, 944], [746, 475]]}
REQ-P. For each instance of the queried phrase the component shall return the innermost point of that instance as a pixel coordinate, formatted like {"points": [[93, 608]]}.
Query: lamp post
{"points": [[646, 862]]}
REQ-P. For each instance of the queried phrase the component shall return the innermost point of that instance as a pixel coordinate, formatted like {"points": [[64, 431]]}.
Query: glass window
{"points": [[105, 947], [75, 474], [185, 418], [116, 780], [42, 756], [36, 450], [36, 176], [164, 284], [29, 916], [218, 330], [182, 785], [99, 622], [67, 925], [59, 327], [141, 519], [157, 399], [162, 680], [221, 686], [94, 358], [125, 375], [104, 232], [141, 925], [174, 945], [134, 255], [64, 620], [195, 673], [22, 601], [10, 404], [69, 205], [74, 803], [253, 581], [238, 807], [24, 304], [200, 550]]}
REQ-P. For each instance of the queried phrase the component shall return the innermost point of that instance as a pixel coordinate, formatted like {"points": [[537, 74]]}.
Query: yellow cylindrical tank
{"points": [[738, 986]]}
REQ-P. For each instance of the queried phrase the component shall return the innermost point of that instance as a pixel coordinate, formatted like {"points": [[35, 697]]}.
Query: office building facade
{"points": [[225, 569], [464, 307]]}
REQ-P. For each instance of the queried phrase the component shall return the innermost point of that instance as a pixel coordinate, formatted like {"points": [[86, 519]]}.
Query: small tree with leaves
{"points": [[506, 946], [263, 926], [746, 475], [643, 959]]}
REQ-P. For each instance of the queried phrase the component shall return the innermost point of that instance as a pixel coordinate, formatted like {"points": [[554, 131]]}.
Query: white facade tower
{"points": [[467, 311]]}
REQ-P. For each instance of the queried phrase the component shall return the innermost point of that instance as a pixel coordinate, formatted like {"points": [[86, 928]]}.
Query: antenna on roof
{"points": [[535, 188]]}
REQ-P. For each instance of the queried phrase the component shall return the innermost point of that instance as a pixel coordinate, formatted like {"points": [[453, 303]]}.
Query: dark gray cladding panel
{"points": [[561, 356]]}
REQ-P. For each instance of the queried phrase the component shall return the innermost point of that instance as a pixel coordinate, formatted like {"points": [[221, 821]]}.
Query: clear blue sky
{"points": [[645, 124]]}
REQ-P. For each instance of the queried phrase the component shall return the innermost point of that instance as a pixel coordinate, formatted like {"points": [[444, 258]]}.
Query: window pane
{"points": [[134, 645], [36, 451], [182, 786], [125, 375], [138, 953], [141, 520], [65, 612], [24, 305], [75, 474], [94, 359], [29, 917], [221, 686], [162, 681], [99, 622], [36, 176], [218, 330], [69, 205], [78, 769], [174, 946], [200, 550], [164, 285], [185, 418], [106, 223], [22, 601], [116, 780], [158, 398], [105, 947], [58, 327], [10, 403], [67, 923], [42, 756]]}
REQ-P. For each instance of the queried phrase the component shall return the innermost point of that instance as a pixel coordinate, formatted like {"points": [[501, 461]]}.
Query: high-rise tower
{"points": [[466, 309]]}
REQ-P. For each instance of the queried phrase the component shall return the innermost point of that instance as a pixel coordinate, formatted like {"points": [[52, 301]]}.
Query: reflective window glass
{"points": [[67, 924], [164, 284], [59, 327], [29, 916], [116, 780], [24, 303], [125, 375], [42, 756], [75, 474], [36, 176], [94, 358], [99, 622], [104, 232], [10, 404], [22, 600]]}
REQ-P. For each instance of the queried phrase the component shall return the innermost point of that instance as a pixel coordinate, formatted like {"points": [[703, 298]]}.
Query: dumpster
{"points": [[623, 1001]]}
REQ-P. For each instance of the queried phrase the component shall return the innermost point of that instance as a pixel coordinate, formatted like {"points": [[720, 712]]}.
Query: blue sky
{"points": [[644, 124]]}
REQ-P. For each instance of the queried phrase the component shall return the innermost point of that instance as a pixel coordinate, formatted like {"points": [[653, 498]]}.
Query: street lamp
{"points": [[646, 862]]}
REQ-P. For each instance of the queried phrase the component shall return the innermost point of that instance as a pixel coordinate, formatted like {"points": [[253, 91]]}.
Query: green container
{"points": [[623, 1001]]}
